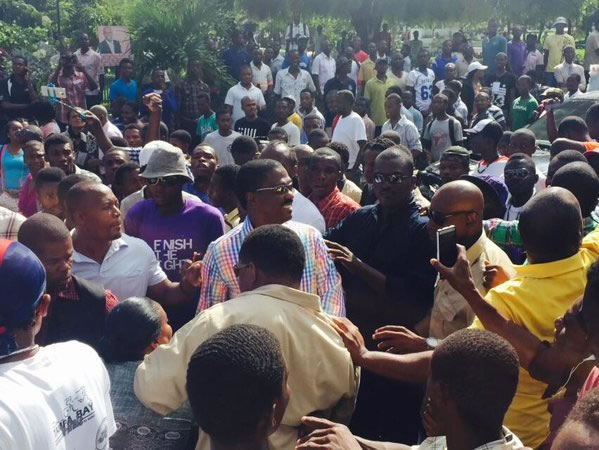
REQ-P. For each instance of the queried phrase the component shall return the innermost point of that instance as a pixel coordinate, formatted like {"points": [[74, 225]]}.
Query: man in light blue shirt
{"points": [[492, 45]]}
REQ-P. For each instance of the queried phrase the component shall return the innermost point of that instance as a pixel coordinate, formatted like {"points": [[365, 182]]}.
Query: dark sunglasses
{"points": [[167, 181], [394, 178], [281, 189], [516, 173], [439, 218]]}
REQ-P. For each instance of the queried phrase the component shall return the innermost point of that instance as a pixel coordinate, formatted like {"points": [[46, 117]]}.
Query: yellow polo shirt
{"points": [[296, 119], [534, 299], [556, 43], [366, 72]]}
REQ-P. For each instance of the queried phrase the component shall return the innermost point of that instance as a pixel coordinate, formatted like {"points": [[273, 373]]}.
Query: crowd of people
{"points": [[264, 273]]}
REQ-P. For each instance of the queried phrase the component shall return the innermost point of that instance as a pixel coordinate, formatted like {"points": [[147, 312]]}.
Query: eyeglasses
{"points": [[516, 173], [168, 181], [281, 189], [237, 268], [439, 218], [394, 178]]}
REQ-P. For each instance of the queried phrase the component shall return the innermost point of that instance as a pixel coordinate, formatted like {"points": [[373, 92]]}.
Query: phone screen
{"points": [[447, 252]]}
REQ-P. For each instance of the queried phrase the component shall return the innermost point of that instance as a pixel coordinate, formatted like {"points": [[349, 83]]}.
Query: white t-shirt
{"points": [[355, 70], [437, 132], [349, 130], [58, 399], [222, 145], [423, 88], [306, 212], [236, 93], [494, 169], [292, 130], [261, 76]]}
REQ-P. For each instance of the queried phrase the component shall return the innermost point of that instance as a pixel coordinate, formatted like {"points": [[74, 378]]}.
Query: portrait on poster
{"points": [[114, 44]]}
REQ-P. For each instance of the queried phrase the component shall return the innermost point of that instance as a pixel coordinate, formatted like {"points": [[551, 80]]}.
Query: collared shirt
{"points": [[399, 247], [320, 275], [534, 299], [555, 44], [568, 96], [276, 64], [375, 90], [261, 76], [237, 92], [564, 70], [451, 312], [187, 92], [75, 87], [335, 207], [370, 126], [321, 373], [324, 67], [287, 84], [532, 60], [507, 235], [92, 62], [10, 222], [128, 268], [206, 125], [495, 168], [232, 219], [409, 135]]}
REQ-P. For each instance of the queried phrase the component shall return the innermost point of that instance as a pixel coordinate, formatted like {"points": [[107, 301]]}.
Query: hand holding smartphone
{"points": [[447, 250]]}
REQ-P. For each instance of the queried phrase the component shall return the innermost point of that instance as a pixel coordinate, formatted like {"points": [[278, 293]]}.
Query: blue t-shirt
{"points": [[14, 171], [439, 66], [121, 89], [491, 47], [235, 58]]}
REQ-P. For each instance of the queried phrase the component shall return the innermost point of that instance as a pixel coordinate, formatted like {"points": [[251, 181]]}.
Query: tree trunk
{"points": [[367, 21]]}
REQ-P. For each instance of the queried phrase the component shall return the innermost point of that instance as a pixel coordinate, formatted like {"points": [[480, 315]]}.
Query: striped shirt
{"points": [[335, 207], [320, 275], [10, 222]]}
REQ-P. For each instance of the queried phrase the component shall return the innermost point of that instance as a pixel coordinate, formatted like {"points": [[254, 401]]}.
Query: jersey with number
{"points": [[423, 87]]}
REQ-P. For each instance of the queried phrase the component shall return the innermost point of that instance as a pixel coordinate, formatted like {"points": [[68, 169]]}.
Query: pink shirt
{"points": [[27, 198]]}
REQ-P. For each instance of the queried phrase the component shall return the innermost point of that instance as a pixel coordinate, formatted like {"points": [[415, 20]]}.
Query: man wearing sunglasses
{"points": [[174, 227], [384, 252], [265, 190], [520, 177]]}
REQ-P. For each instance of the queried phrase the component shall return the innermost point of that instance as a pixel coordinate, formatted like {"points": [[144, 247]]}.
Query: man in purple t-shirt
{"points": [[172, 226], [516, 52]]}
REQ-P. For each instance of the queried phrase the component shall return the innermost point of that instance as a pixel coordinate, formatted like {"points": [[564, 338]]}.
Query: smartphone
{"points": [[447, 250]]}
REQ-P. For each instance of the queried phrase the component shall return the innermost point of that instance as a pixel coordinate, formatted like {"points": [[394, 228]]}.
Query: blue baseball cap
{"points": [[489, 184]]}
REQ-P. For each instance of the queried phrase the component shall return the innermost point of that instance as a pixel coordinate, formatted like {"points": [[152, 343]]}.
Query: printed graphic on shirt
{"points": [[499, 90], [167, 252], [78, 409]]}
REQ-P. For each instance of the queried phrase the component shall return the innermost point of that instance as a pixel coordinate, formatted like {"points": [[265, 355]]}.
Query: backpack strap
{"points": [[451, 130]]}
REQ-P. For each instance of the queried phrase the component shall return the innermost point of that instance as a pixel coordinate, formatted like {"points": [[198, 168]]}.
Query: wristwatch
{"points": [[432, 342]]}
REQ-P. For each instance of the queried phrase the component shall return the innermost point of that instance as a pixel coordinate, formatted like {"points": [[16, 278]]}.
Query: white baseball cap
{"points": [[476, 66]]}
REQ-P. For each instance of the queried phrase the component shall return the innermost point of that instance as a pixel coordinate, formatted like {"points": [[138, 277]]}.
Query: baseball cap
{"points": [[456, 150], [23, 281], [560, 21], [290, 98], [166, 160], [479, 127], [490, 185], [476, 66]]}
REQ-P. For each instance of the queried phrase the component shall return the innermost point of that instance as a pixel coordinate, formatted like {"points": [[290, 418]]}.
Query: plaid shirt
{"points": [[75, 87], [10, 222], [335, 207], [187, 92], [507, 236], [320, 275]]}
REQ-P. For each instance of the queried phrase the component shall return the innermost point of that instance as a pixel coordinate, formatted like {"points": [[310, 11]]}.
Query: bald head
{"points": [[461, 195], [326, 153], [522, 141], [281, 152], [560, 234]]}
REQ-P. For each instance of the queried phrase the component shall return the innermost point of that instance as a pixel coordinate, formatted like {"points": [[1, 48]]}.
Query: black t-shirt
{"points": [[13, 92], [501, 87], [257, 129]]}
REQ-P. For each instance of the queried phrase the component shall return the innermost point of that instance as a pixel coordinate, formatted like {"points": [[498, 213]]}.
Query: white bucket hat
{"points": [[165, 160]]}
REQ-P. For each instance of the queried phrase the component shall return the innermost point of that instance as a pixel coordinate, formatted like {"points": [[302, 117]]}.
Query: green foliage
{"points": [[166, 32], [20, 12]]}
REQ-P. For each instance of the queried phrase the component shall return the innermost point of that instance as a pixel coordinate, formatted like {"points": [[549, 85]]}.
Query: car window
{"points": [[572, 108]]}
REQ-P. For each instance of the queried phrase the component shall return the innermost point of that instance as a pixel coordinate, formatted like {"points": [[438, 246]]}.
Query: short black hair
{"points": [[252, 175], [133, 126], [378, 144], [131, 105], [42, 111], [456, 85], [522, 157], [496, 364], [563, 158], [131, 326], [244, 145], [276, 250], [125, 61], [561, 233], [317, 133], [586, 411], [393, 96], [342, 150], [68, 182], [398, 152], [56, 139], [308, 91], [279, 133], [118, 141], [49, 175], [181, 135], [233, 381], [592, 114], [124, 171], [222, 111], [571, 124], [202, 95], [40, 229], [580, 179], [227, 175], [394, 90]]}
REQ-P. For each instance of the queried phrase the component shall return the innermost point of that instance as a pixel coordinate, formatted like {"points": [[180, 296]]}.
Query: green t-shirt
{"points": [[522, 112], [206, 125]]}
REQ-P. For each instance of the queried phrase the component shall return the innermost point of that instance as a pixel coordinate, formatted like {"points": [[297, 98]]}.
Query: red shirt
{"points": [[335, 207], [361, 56]]}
